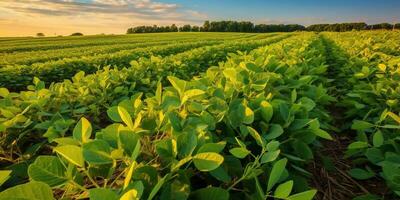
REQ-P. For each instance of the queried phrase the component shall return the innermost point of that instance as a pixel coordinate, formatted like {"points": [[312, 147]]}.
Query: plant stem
{"points": [[91, 179]]}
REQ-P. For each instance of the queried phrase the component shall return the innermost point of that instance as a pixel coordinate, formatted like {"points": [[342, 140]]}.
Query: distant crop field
{"points": [[201, 115]]}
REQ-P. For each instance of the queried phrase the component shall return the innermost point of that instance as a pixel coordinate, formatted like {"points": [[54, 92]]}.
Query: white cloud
{"points": [[96, 16]]}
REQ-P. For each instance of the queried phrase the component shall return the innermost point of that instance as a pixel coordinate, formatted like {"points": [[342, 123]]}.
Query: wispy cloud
{"points": [[93, 16]]}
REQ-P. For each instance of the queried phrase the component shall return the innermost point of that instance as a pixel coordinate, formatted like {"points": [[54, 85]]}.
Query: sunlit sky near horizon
{"points": [[63, 17]]}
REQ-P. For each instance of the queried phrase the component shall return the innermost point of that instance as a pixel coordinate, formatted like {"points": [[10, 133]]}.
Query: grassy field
{"points": [[294, 116]]}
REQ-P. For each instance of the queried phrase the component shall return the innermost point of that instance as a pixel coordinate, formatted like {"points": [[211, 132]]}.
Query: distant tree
{"points": [[206, 26], [386, 26], [76, 34], [249, 27], [174, 28], [246, 27], [40, 34], [195, 29], [338, 27], [185, 28]]}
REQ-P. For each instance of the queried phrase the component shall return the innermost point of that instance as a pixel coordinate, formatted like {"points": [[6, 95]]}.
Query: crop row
{"points": [[386, 42], [370, 94], [70, 42], [31, 57], [247, 127]]}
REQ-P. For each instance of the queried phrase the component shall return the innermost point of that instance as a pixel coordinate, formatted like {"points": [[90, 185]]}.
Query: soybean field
{"points": [[201, 115]]}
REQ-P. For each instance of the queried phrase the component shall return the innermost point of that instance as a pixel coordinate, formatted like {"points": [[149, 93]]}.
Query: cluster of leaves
{"points": [[28, 115], [371, 98], [243, 129]]}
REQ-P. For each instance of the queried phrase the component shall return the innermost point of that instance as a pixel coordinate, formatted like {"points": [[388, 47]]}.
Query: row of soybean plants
{"points": [[387, 42], [71, 42], [243, 129], [26, 116], [100, 39], [31, 57], [18, 77], [370, 95]]}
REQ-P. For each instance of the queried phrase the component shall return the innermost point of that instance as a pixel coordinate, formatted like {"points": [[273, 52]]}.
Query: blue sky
{"points": [[54, 17], [299, 11]]}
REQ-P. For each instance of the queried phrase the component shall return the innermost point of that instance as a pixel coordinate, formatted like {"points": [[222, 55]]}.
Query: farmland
{"points": [[296, 116]]}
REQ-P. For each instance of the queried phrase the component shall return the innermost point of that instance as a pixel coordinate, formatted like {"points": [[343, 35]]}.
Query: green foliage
{"points": [[370, 75], [28, 191], [253, 120]]}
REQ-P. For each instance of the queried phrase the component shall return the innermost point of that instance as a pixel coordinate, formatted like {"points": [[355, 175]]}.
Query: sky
{"points": [[63, 17]]}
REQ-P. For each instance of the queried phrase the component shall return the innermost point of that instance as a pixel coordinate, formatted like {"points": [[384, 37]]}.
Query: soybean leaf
{"points": [[358, 145], [207, 161], [125, 117], [321, 133], [28, 191], [49, 170], [361, 174], [276, 172], [113, 114], [102, 194], [284, 190], [212, 147], [82, 130], [129, 141], [394, 116], [374, 155], [256, 136], [4, 92], [361, 125], [275, 131], [273, 145], [4, 176], [190, 94], [270, 156], [378, 139], [97, 152], [129, 174], [178, 84], [71, 153], [248, 117], [266, 111], [130, 195], [307, 195], [210, 193], [157, 187], [239, 152]]}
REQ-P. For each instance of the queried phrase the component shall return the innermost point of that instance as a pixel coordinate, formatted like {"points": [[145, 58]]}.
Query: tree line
{"points": [[249, 27]]}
